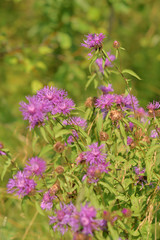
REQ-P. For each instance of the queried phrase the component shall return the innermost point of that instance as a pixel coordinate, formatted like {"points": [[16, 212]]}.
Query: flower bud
{"points": [[59, 169], [116, 115], [103, 136], [116, 44], [54, 189], [80, 158], [59, 147], [90, 102], [126, 212]]}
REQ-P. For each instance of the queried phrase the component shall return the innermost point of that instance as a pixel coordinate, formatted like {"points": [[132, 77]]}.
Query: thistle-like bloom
{"points": [[36, 166], [108, 62], [95, 154], [107, 89], [72, 137], [153, 106], [47, 201], [85, 220], [93, 41], [62, 218], [76, 121], [126, 212], [21, 184], [154, 133], [94, 172], [35, 110], [140, 174], [129, 140], [105, 101], [131, 101]]}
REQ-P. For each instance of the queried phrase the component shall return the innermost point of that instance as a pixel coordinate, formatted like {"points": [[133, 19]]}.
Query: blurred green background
{"points": [[40, 44]]}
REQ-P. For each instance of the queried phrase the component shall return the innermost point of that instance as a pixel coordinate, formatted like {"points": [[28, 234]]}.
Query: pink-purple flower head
{"points": [[107, 89], [76, 121], [131, 102], [105, 101], [21, 184], [47, 201], [153, 106], [47, 100], [95, 154], [36, 166], [62, 218], [108, 62], [2, 153], [85, 220], [93, 41]]}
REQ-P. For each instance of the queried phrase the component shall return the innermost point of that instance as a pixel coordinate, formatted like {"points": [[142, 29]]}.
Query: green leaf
{"points": [[109, 186], [132, 73], [45, 150], [39, 209], [6, 166], [44, 134], [90, 80]]}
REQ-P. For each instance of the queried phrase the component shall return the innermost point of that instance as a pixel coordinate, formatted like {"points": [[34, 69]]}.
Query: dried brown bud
{"points": [[54, 189], [90, 102], [139, 133], [116, 115], [146, 139], [1, 145], [59, 169], [151, 113], [116, 44], [81, 236], [59, 147], [103, 136], [80, 158]]}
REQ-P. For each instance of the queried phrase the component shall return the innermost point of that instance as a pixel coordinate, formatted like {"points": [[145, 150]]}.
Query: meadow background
{"points": [[40, 45]]}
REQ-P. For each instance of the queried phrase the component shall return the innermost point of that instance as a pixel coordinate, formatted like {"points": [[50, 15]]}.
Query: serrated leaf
{"points": [[6, 166], [132, 73]]}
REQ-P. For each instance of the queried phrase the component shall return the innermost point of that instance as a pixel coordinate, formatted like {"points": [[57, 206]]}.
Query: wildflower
{"points": [[107, 89], [126, 212], [116, 115], [105, 101], [154, 133], [108, 62], [21, 184], [85, 220], [93, 41], [35, 110], [95, 154], [116, 44], [129, 140], [36, 166], [59, 169], [109, 217], [153, 106], [47, 201], [62, 218], [2, 153], [72, 137], [90, 102], [131, 101], [76, 121]]}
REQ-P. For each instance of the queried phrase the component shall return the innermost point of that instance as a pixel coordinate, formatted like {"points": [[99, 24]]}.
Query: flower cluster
{"points": [[47, 100], [83, 221], [93, 41], [22, 184], [95, 160]]}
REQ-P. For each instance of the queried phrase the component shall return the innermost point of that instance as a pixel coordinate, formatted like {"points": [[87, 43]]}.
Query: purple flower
{"points": [[2, 153], [52, 94], [62, 218], [35, 166], [95, 154], [105, 101], [21, 184], [129, 140], [63, 107], [85, 220], [105, 89], [126, 212], [47, 201], [153, 106], [35, 110], [108, 62], [93, 41], [72, 137], [76, 121], [154, 133], [130, 101], [94, 172]]}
